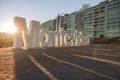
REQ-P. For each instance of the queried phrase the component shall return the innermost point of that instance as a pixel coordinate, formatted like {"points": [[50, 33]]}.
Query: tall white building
{"points": [[70, 22], [113, 19], [59, 22], [88, 23], [102, 19], [49, 25]]}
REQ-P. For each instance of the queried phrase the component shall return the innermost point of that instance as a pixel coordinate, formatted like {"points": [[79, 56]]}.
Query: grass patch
{"points": [[115, 42]]}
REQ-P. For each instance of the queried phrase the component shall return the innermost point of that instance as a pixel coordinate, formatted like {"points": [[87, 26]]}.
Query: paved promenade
{"points": [[100, 62]]}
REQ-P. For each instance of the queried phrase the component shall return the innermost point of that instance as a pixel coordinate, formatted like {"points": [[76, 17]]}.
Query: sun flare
{"points": [[9, 28]]}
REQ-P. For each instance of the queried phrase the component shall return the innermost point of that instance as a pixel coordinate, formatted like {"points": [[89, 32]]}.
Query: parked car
{"points": [[98, 41], [101, 41], [115, 38], [106, 41]]}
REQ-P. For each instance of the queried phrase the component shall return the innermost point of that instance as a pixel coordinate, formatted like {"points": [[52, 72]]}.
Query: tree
{"points": [[102, 36]]}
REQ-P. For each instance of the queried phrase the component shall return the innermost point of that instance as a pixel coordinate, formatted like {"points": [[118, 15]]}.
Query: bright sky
{"points": [[41, 10]]}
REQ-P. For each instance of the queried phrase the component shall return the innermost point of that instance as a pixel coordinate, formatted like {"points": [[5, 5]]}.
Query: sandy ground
{"points": [[6, 64]]}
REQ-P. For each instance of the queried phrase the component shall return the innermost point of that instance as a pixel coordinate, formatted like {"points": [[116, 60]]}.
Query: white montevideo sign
{"points": [[35, 37]]}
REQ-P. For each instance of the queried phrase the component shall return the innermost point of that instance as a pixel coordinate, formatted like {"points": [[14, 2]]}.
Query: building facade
{"points": [[94, 22], [113, 19], [59, 22], [100, 19], [69, 22], [49, 25], [88, 22]]}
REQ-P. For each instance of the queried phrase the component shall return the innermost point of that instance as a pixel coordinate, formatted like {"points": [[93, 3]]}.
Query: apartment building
{"points": [[49, 25], [69, 22], [59, 22], [79, 17], [102, 19], [88, 22], [113, 19]]}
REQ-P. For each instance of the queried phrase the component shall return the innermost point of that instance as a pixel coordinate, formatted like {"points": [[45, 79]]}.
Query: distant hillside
{"points": [[6, 39]]}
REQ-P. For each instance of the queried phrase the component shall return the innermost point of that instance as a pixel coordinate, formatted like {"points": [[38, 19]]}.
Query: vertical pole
{"points": [[94, 50]]}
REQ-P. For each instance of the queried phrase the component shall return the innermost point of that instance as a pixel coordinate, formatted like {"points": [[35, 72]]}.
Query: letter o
{"points": [[45, 38]]}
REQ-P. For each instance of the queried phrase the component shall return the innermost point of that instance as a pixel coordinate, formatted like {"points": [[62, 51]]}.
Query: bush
{"points": [[114, 41], [6, 40]]}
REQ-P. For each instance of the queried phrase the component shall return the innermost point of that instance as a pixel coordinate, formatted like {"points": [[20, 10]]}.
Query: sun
{"points": [[9, 28]]}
